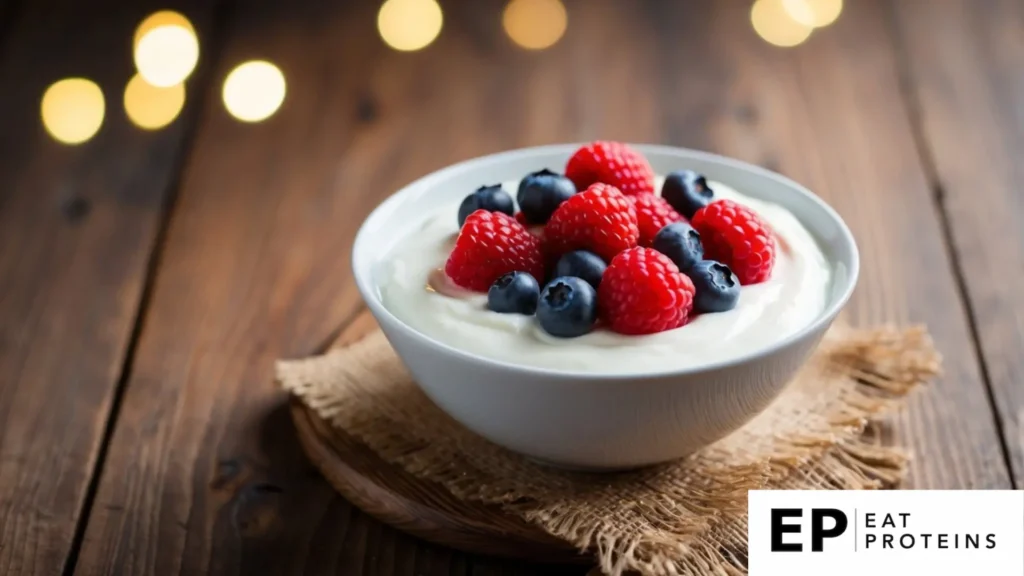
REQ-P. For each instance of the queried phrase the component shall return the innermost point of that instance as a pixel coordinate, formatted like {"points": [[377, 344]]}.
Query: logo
{"points": [[799, 533], [818, 530]]}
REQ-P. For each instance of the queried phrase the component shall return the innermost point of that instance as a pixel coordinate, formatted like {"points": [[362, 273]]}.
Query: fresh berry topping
{"points": [[643, 292], [581, 264], [567, 307], [717, 287], [514, 293], [521, 218], [540, 193], [599, 219], [737, 237], [492, 244], [490, 198], [652, 214], [612, 163], [681, 243], [687, 192]]}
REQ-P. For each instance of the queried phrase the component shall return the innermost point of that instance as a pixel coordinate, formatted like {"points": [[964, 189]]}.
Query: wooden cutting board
{"points": [[421, 508]]}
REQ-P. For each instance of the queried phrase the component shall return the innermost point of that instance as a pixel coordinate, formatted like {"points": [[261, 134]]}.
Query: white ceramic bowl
{"points": [[599, 421]]}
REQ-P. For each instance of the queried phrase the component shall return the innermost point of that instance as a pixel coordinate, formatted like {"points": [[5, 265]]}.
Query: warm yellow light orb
{"points": [[72, 110], [254, 90], [166, 49], [158, 19], [409, 25], [151, 107], [535, 24], [813, 13], [775, 26]]}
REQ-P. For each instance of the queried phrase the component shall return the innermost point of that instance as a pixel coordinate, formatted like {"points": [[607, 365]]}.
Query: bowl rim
{"points": [[367, 287]]}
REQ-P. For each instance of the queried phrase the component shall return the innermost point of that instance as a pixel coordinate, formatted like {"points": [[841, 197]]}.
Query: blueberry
{"points": [[681, 243], [541, 192], [581, 264], [718, 289], [490, 198], [514, 293], [687, 192], [567, 307]]}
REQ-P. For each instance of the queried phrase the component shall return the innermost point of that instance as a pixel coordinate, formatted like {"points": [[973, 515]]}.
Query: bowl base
{"points": [[582, 468]]}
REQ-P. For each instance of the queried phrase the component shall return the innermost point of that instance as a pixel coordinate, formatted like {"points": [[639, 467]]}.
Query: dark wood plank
{"points": [[204, 474], [829, 114], [963, 61], [77, 228]]}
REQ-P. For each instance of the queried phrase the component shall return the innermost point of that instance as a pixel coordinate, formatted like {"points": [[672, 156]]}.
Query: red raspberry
{"points": [[643, 292], [521, 218], [736, 236], [599, 219], [492, 244], [612, 163], [652, 214]]}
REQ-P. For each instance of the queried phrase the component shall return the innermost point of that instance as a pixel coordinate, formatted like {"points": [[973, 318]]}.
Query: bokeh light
{"points": [[166, 49], [151, 107], [774, 25], [813, 13], [158, 19], [535, 24], [72, 110], [409, 25], [254, 90]]}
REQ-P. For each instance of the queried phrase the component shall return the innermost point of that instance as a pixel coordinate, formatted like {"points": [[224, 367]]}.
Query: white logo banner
{"points": [[886, 532]]}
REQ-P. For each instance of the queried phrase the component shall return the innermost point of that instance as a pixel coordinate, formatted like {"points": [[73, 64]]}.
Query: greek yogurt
{"points": [[791, 299]]}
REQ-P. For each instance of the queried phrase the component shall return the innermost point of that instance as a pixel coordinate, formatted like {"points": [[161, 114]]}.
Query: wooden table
{"points": [[148, 280]]}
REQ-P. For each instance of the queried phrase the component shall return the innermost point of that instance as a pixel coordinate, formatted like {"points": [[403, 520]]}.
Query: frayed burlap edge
{"points": [[682, 519]]}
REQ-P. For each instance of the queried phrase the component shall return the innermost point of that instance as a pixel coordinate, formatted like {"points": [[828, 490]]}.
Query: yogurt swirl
{"points": [[791, 299]]}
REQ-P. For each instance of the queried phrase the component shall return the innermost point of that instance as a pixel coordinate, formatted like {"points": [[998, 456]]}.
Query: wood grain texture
{"points": [[963, 61], [829, 114], [204, 472], [205, 475], [77, 228]]}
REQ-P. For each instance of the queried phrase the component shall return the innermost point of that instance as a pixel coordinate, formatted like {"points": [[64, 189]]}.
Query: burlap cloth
{"points": [[683, 518]]}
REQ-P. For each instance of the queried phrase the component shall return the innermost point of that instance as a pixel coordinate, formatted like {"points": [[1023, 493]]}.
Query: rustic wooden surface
{"points": [[149, 280], [963, 65], [77, 231]]}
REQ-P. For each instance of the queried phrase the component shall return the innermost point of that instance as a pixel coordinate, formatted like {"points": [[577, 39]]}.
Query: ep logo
{"points": [[885, 532], [824, 523]]}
